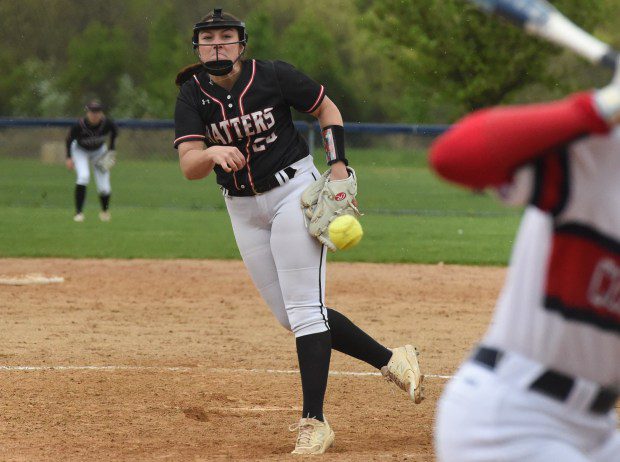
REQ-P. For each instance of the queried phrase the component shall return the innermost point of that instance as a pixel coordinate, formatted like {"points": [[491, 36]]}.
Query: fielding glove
{"points": [[106, 161], [325, 200]]}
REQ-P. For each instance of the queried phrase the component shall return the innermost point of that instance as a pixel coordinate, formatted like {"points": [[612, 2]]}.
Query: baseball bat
{"points": [[540, 18]]}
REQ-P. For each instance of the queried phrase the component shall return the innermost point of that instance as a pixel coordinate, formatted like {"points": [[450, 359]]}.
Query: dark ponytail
{"points": [[187, 73]]}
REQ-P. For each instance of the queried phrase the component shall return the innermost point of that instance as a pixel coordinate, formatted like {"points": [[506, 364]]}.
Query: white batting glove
{"points": [[607, 99]]}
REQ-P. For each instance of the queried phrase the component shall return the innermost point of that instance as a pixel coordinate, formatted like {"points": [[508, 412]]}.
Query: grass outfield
{"points": [[410, 216]]}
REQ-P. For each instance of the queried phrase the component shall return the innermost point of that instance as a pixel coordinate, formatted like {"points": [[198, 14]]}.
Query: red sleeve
{"points": [[485, 147]]}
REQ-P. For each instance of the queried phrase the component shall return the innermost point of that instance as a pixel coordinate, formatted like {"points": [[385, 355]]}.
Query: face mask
{"points": [[219, 67]]}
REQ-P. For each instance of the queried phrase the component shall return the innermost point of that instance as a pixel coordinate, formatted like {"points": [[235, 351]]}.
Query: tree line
{"points": [[380, 60]]}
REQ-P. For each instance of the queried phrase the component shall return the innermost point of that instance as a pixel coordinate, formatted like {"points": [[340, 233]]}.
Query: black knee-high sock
{"points": [[80, 197], [353, 341], [314, 353], [105, 201]]}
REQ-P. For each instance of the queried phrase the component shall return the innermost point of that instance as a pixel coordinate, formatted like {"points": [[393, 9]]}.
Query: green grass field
{"points": [[410, 215]]}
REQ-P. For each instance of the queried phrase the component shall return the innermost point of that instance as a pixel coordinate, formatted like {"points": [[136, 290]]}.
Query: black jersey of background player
{"points": [[91, 137], [254, 116]]}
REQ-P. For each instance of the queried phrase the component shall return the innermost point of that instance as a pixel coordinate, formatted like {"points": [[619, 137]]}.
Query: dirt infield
{"points": [[181, 360]]}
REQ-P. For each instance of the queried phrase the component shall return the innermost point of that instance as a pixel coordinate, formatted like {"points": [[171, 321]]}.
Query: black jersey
{"points": [[91, 137], [254, 116]]}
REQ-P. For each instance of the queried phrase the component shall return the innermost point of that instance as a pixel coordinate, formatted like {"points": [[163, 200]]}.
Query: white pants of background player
{"points": [[286, 264], [82, 160], [491, 415]]}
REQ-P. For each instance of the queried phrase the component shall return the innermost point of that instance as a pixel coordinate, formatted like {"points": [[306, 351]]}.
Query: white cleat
{"points": [[403, 370], [78, 217], [105, 216], [314, 436]]}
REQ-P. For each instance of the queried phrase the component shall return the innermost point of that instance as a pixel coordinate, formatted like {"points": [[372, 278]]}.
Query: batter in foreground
{"points": [[543, 383]]}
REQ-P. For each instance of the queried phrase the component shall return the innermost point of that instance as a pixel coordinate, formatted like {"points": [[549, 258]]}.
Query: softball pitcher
{"points": [[233, 117], [543, 383], [85, 147]]}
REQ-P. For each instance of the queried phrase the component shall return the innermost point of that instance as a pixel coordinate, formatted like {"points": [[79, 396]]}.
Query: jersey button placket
{"points": [[230, 106]]}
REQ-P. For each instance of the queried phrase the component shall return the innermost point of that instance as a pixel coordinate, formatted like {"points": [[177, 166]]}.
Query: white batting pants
{"points": [[286, 264], [82, 160], [484, 416]]}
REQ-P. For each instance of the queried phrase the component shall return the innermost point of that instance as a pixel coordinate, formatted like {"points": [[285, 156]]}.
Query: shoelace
{"points": [[305, 433]]}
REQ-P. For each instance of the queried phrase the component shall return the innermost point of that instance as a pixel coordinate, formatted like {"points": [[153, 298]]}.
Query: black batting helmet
{"points": [[220, 20]]}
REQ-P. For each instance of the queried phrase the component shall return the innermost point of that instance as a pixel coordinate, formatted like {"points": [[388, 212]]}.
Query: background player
{"points": [[233, 117], [85, 146], [542, 384]]}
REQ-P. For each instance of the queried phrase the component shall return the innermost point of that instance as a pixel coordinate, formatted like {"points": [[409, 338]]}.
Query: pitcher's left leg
{"points": [[300, 261]]}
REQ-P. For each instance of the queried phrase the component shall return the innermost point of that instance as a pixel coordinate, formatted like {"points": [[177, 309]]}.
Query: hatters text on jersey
{"points": [[228, 131]]}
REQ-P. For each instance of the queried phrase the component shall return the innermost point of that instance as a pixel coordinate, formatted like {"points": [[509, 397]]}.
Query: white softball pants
{"points": [[286, 264], [82, 160], [492, 416]]}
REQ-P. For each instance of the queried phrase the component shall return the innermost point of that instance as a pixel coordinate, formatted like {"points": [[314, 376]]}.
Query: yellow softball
{"points": [[345, 232]]}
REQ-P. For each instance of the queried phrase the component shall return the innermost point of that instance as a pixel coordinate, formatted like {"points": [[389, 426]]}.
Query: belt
{"points": [[261, 187], [551, 383]]}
